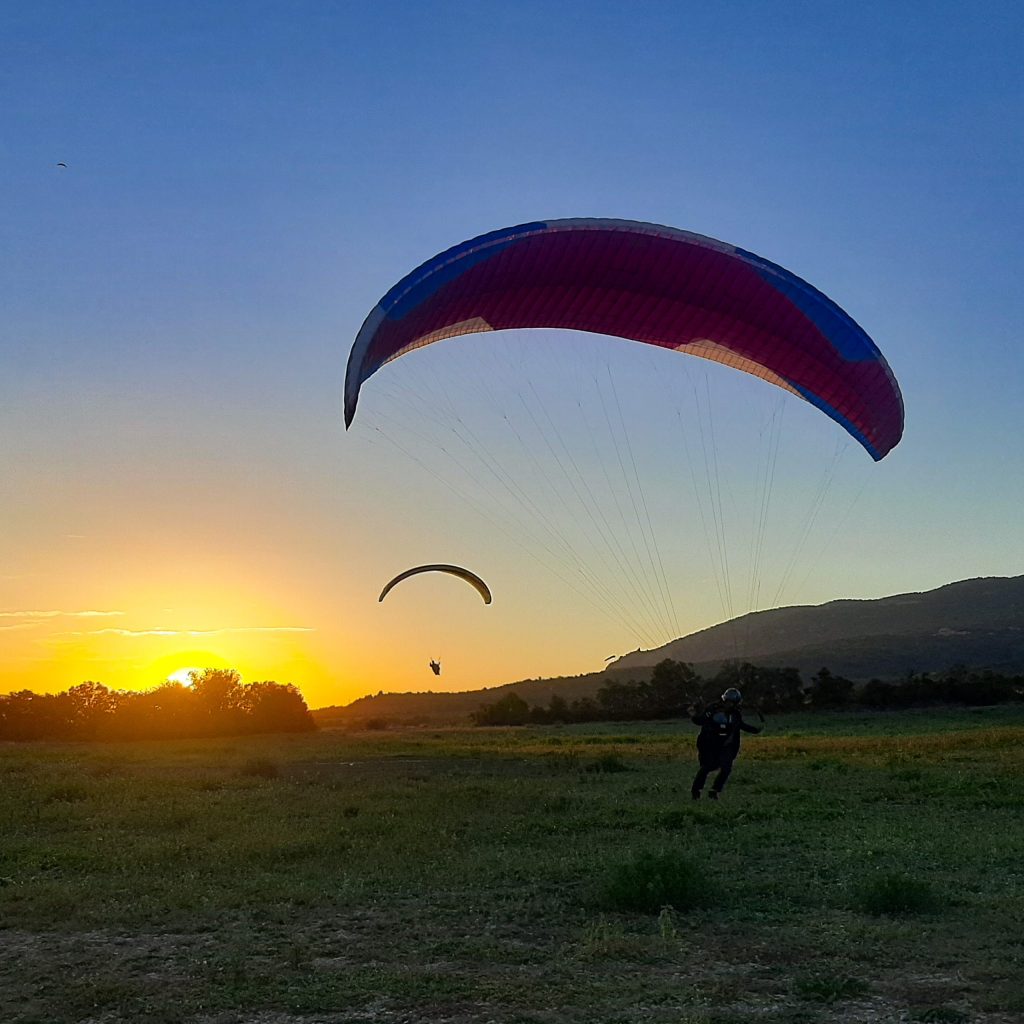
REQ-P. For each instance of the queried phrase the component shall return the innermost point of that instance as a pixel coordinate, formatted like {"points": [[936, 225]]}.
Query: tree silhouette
{"points": [[216, 704], [509, 710]]}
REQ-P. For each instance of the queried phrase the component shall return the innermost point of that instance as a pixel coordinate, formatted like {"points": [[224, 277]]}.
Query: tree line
{"points": [[674, 688], [217, 703]]}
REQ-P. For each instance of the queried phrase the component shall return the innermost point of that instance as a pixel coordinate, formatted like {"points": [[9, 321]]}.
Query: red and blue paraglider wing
{"points": [[651, 284]]}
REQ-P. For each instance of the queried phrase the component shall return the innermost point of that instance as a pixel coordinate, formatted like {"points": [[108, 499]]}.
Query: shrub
{"points": [[695, 817], [510, 710], [940, 1015], [69, 794], [895, 893], [604, 938], [261, 768], [676, 820], [608, 763], [652, 881], [830, 988]]}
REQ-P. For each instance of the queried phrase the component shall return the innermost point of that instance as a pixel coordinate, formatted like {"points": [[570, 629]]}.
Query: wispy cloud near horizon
{"points": [[57, 613], [158, 631]]}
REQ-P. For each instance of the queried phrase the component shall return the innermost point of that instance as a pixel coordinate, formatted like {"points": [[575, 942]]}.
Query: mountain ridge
{"points": [[983, 602]]}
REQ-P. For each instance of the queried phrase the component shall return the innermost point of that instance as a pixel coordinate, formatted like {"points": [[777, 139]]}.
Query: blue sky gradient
{"points": [[244, 182]]}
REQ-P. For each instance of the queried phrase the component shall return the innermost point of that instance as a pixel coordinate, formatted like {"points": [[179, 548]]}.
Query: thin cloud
{"points": [[111, 631], [56, 613]]}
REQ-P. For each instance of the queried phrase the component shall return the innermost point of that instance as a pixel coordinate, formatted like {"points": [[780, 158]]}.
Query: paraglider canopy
{"points": [[455, 570], [648, 283]]}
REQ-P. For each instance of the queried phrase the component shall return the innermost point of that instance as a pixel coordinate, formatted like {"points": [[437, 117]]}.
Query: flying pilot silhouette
{"points": [[435, 667]]}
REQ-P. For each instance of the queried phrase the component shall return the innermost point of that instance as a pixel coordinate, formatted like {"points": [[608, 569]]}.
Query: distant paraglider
{"points": [[455, 570]]}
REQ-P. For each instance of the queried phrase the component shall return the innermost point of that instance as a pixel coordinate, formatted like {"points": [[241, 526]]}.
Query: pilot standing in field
{"points": [[718, 744]]}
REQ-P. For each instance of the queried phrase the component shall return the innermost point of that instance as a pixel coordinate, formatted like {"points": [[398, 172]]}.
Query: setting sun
{"points": [[183, 675]]}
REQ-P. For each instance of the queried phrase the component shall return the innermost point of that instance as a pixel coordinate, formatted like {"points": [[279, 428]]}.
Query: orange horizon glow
{"points": [[137, 646]]}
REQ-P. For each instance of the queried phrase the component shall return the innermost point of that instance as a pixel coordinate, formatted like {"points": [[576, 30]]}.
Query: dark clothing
{"points": [[718, 744], [704, 771]]}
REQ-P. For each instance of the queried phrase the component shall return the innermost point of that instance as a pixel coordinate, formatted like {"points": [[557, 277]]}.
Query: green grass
{"points": [[470, 875], [896, 893], [653, 881], [830, 988]]}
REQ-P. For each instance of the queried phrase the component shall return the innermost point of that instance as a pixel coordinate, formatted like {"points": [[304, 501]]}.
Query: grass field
{"points": [[858, 868]]}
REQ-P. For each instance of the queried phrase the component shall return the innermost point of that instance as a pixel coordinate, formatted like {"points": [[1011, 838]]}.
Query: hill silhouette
{"points": [[978, 623]]}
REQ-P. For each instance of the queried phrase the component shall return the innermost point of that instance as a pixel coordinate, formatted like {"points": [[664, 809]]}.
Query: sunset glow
{"points": [[183, 675], [195, 243]]}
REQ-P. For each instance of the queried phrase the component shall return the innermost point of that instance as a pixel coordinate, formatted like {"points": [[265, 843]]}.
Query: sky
{"points": [[244, 182]]}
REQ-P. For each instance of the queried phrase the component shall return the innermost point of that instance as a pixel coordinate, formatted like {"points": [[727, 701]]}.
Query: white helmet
{"points": [[732, 696]]}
